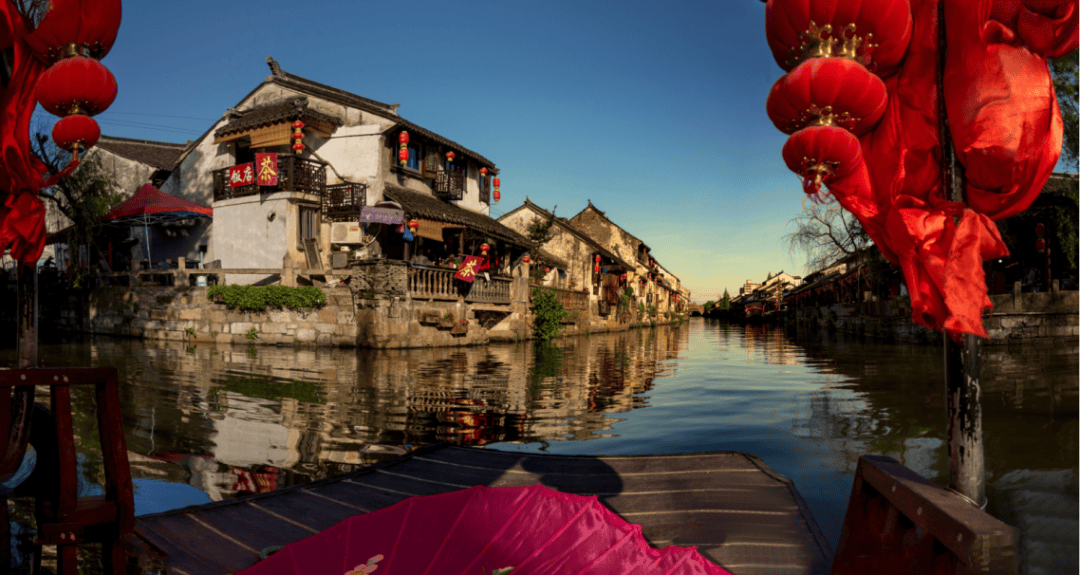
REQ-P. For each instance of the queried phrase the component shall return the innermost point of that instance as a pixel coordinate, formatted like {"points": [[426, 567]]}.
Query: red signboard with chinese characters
{"points": [[266, 170], [468, 269], [242, 175]]}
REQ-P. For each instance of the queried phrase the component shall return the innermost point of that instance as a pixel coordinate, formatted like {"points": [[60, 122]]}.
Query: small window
{"points": [[485, 189], [309, 223], [414, 158]]}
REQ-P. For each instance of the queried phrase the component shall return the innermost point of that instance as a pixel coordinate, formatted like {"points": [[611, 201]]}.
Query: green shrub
{"points": [[258, 298], [548, 314]]}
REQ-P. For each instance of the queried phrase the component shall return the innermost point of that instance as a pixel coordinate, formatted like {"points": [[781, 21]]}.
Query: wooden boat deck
{"points": [[738, 512]]}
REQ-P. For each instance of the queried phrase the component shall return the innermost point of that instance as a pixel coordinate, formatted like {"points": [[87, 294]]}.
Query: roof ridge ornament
{"points": [[275, 69]]}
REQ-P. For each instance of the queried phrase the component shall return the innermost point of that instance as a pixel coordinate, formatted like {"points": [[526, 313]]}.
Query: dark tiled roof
{"points": [[265, 115], [413, 129], [431, 208], [161, 155], [562, 223], [283, 78]]}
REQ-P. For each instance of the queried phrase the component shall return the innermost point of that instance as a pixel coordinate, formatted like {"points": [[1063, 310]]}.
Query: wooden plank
{"points": [[318, 512], [585, 464], [192, 545]]}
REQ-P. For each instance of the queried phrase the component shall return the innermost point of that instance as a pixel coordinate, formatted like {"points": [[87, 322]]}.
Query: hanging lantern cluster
{"points": [[75, 88], [76, 85], [495, 184], [403, 151], [836, 55], [298, 136]]}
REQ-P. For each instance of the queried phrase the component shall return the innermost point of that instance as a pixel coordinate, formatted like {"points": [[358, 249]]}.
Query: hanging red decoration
{"points": [[820, 154], [875, 33], [525, 259], [495, 183], [298, 136], [597, 258], [596, 269], [76, 132], [413, 225], [450, 156], [827, 92], [70, 27], [403, 152], [76, 85], [497, 196], [547, 270], [483, 172]]}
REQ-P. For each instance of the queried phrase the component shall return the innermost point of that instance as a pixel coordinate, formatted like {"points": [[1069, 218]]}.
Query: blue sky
{"points": [[653, 110]]}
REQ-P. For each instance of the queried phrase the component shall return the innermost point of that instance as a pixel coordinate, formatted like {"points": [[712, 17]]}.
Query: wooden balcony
{"points": [[571, 300], [450, 185], [294, 175], [438, 283], [343, 202]]}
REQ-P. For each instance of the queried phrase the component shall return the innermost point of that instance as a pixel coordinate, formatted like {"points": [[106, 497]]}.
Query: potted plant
{"points": [[446, 321], [461, 327]]}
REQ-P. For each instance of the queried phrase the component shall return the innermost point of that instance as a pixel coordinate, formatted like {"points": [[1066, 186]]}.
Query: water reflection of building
{"points": [[226, 421]]}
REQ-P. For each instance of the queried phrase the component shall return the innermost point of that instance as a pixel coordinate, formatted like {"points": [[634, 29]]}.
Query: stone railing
{"points": [[438, 283], [495, 291], [433, 283], [571, 299]]}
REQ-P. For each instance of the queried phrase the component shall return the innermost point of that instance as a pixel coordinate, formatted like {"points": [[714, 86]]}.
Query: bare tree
{"points": [[826, 232], [32, 11]]}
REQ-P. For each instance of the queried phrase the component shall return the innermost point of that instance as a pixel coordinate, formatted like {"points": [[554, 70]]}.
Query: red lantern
{"points": [[1040, 245], [76, 27], [413, 224], [484, 248], [525, 259], [483, 171], [298, 136], [495, 182], [76, 132], [874, 32], [76, 85], [547, 270], [820, 154], [497, 196], [827, 92], [403, 153], [596, 269], [450, 156]]}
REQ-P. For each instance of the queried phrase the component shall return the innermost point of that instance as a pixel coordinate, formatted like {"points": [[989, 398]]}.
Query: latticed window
{"points": [[485, 189], [309, 223]]}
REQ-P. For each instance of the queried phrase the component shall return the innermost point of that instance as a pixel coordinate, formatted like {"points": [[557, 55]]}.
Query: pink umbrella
{"points": [[483, 530]]}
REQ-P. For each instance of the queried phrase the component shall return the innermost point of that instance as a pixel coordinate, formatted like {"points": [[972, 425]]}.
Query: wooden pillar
{"points": [[963, 394]]}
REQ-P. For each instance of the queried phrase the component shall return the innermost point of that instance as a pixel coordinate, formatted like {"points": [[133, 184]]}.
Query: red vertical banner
{"points": [[266, 168]]}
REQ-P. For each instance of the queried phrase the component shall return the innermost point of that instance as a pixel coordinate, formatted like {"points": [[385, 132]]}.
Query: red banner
{"points": [[267, 170], [242, 175], [468, 268]]}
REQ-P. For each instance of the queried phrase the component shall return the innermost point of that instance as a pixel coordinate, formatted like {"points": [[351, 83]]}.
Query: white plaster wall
{"points": [[258, 242]]}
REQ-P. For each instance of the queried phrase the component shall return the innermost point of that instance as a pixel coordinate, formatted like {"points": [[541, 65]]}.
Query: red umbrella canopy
{"points": [[153, 205], [484, 529]]}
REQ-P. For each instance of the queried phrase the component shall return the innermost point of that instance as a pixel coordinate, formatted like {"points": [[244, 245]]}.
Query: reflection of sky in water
{"points": [[220, 423]]}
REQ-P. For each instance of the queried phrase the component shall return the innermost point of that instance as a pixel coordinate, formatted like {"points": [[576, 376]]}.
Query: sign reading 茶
{"points": [[242, 175], [370, 215], [266, 164]]}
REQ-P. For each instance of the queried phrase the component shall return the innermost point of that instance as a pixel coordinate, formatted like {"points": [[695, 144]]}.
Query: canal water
{"points": [[210, 422]]}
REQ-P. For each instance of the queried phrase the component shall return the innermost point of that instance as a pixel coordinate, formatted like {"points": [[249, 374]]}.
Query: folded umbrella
{"points": [[481, 530]]}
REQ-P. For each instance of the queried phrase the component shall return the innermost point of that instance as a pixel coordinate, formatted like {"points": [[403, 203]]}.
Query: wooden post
{"points": [[967, 471], [22, 398]]}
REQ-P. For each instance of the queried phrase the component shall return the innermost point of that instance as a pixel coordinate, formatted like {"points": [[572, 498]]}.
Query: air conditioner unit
{"points": [[345, 233]]}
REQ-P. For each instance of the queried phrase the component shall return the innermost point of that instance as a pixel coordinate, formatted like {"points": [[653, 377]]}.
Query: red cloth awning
{"points": [[150, 203]]}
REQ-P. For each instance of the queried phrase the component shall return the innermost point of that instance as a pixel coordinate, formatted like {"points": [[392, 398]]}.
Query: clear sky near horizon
{"points": [[654, 111]]}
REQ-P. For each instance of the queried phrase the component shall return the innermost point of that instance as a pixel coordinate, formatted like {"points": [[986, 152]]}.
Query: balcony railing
{"points": [[450, 185], [571, 299], [343, 202], [294, 175], [439, 283]]}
